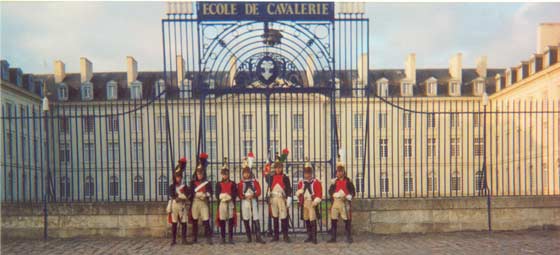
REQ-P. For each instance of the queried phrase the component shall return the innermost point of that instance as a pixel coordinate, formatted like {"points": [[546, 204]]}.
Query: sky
{"points": [[34, 34]]}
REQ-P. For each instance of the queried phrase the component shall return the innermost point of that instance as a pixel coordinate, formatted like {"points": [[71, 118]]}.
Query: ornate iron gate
{"points": [[262, 84]]}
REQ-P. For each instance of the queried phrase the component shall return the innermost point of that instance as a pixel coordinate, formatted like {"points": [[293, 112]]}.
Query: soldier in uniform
{"points": [[226, 192], [201, 189], [310, 194], [249, 191], [280, 198], [177, 206], [341, 191]]}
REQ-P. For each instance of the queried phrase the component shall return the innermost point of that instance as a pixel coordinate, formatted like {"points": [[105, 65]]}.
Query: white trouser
{"points": [[246, 209]]}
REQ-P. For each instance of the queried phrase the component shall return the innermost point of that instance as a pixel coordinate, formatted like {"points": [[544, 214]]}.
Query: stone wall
{"points": [[383, 216], [389, 216]]}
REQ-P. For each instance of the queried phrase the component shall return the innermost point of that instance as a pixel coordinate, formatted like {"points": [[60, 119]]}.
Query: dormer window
{"points": [[406, 89], [62, 92], [431, 87], [337, 87], [382, 87], [87, 91], [160, 88], [186, 88], [211, 85], [478, 87], [136, 90], [357, 88], [112, 90], [454, 89]]}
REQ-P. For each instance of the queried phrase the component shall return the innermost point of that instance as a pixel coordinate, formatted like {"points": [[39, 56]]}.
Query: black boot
{"points": [[230, 230], [308, 229], [348, 228], [285, 230], [195, 231], [223, 230], [207, 231], [184, 233], [333, 232], [174, 233], [248, 231], [276, 236], [313, 228], [257, 230]]}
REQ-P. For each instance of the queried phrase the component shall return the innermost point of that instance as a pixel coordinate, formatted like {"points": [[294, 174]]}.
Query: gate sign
{"points": [[264, 11]]}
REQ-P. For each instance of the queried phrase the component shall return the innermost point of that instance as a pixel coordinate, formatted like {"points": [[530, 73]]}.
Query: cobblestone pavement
{"points": [[521, 242]]}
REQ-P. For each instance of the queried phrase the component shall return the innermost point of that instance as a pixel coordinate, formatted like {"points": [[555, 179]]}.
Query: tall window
{"points": [[382, 116], [407, 120], [161, 151], [383, 88], [274, 147], [113, 153], [359, 148], [476, 120], [297, 121], [454, 88], [186, 148], [432, 88], [406, 89], [211, 123], [163, 185], [160, 88], [247, 122], [212, 149], [64, 153], [298, 149], [136, 123], [455, 183], [89, 187], [455, 147], [432, 148], [455, 121], [137, 151], [247, 146], [431, 121], [407, 148], [479, 179], [64, 124], [9, 144], [138, 187], [160, 124], [478, 146], [274, 122], [88, 123], [89, 152], [359, 182], [87, 92], [113, 123], [432, 184], [114, 186], [186, 123], [65, 191], [186, 88], [383, 151], [358, 120], [408, 182], [384, 184]]}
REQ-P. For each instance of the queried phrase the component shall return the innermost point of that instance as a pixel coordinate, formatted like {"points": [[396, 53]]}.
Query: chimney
{"points": [[310, 70], [59, 71], [363, 66], [131, 70], [548, 34], [410, 68], [482, 66], [455, 67], [180, 70], [232, 70], [86, 70]]}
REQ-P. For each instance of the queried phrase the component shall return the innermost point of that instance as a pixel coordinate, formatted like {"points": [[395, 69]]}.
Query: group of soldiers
{"points": [[309, 194]]}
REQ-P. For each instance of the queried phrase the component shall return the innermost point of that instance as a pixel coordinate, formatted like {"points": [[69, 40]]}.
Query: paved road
{"points": [[524, 242]]}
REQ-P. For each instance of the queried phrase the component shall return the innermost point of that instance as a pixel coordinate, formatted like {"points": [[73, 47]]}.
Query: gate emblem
{"points": [[267, 70]]}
